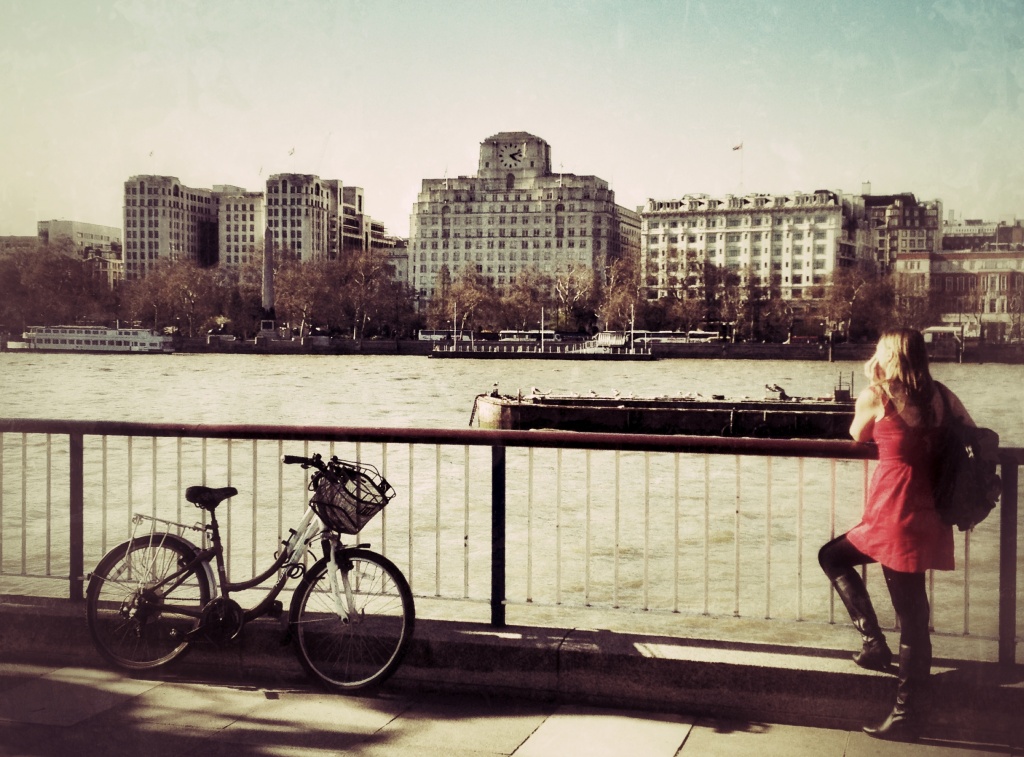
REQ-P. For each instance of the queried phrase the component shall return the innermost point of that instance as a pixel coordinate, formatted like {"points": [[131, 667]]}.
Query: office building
{"points": [[515, 213]]}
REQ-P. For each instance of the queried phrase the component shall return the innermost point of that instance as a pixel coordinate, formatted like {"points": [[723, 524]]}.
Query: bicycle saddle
{"points": [[207, 498]]}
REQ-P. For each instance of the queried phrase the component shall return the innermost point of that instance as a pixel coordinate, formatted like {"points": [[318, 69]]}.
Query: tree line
{"points": [[358, 296]]}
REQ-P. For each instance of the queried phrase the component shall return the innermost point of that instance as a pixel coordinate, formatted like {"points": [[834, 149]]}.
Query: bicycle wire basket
{"points": [[348, 495]]}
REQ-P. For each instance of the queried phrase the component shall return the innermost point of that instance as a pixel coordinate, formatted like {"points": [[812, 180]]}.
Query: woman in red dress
{"points": [[900, 528]]}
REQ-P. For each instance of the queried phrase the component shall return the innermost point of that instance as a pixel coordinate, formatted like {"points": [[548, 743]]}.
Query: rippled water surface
{"points": [[415, 391]]}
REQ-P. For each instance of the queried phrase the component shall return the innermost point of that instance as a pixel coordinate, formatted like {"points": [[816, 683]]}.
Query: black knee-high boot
{"points": [[905, 721], [875, 653]]}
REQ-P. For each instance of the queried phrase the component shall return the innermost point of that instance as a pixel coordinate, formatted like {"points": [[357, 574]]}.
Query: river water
{"points": [[615, 544], [416, 391]]}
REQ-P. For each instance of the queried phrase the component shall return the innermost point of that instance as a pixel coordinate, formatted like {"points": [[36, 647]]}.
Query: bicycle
{"points": [[351, 616]]}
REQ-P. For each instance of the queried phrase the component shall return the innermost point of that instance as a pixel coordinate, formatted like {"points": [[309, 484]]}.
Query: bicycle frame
{"points": [[291, 556]]}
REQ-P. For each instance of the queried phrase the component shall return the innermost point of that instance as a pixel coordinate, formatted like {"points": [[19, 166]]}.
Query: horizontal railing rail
{"points": [[634, 543]]}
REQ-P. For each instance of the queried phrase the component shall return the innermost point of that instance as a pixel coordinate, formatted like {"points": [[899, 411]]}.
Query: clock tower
{"points": [[514, 152]]}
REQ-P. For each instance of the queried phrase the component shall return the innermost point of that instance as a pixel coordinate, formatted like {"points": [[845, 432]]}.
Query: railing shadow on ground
{"points": [[488, 515]]}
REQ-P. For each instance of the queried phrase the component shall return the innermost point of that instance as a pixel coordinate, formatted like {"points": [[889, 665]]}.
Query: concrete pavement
{"points": [[86, 711], [467, 688]]}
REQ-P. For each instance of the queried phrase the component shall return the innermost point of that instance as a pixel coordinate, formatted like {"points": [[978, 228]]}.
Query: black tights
{"points": [[907, 590]]}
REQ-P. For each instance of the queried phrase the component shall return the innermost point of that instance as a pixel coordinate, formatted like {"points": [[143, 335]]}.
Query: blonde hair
{"points": [[901, 361]]}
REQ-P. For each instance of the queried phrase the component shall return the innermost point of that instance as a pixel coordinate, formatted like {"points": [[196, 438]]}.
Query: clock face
{"points": [[511, 155]]}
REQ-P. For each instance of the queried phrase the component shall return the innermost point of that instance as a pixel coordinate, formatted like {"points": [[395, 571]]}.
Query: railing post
{"points": [[76, 539], [498, 536], [1008, 562]]}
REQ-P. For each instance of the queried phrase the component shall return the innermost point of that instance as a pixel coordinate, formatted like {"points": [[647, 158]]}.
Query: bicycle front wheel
{"points": [[356, 639], [142, 601]]}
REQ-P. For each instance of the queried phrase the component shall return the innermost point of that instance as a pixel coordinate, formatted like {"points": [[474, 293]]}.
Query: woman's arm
{"points": [[867, 410]]}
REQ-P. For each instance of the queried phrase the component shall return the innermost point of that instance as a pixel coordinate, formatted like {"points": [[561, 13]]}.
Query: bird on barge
{"points": [[776, 416]]}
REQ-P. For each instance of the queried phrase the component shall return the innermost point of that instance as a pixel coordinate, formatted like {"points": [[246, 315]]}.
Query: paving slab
{"points": [[66, 696], [471, 724], [606, 733], [862, 745], [742, 739]]}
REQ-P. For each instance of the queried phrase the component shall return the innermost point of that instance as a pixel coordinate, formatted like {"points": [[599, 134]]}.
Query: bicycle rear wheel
{"points": [[141, 604], [361, 650]]}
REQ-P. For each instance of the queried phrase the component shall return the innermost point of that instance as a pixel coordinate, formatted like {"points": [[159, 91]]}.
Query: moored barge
{"points": [[777, 416]]}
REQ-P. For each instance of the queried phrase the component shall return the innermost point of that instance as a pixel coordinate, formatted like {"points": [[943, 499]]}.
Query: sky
{"points": [[650, 95]]}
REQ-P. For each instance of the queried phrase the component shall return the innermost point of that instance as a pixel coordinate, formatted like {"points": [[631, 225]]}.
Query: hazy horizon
{"points": [[922, 97]]}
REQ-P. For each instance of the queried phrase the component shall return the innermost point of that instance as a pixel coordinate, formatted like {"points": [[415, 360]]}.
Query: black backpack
{"points": [[966, 485]]}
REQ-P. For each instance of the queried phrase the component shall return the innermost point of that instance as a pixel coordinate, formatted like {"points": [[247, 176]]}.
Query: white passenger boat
{"points": [[93, 339]]}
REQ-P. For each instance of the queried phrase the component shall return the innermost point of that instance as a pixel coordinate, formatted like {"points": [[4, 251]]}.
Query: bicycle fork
{"points": [[342, 608]]}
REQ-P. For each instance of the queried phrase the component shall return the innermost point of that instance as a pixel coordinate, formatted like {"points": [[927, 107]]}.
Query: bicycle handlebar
{"points": [[306, 462]]}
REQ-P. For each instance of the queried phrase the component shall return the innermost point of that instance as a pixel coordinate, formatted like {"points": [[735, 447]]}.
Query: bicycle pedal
{"points": [[276, 608]]}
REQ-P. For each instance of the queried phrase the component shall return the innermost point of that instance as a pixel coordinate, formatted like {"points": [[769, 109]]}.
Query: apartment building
{"points": [[315, 218], [792, 241], [900, 224], [516, 213], [981, 289]]}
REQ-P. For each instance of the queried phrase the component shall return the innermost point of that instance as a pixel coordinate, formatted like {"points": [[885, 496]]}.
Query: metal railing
{"points": [[706, 526]]}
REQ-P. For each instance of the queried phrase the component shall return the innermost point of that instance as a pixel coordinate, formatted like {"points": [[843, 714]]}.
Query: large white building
{"points": [[795, 239], [515, 213]]}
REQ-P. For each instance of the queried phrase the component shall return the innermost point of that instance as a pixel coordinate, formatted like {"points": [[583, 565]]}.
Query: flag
{"points": [[738, 147]]}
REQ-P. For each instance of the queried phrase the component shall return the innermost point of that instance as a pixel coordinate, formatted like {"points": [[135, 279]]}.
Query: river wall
{"points": [[984, 353]]}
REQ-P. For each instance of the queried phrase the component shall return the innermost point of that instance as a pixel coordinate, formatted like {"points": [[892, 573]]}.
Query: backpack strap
{"points": [[946, 409]]}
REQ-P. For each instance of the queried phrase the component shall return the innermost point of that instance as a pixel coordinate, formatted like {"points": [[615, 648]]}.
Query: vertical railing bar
{"points": [[800, 540], [255, 500], [768, 544], [204, 460], [832, 535], [647, 531], [131, 482], [465, 522], [103, 495], [49, 500], [675, 537], [152, 476], [498, 473], [558, 527], [967, 583], [1008, 506], [529, 525], [76, 522], [412, 492], [179, 493], [230, 465], [3, 459], [864, 502], [437, 520], [384, 512], [305, 488], [586, 531], [618, 533], [707, 534], [24, 503], [736, 555], [280, 490]]}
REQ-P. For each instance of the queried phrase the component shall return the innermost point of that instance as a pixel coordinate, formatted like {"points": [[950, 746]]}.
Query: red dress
{"points": [[900, 527]]}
